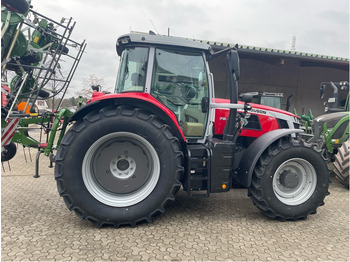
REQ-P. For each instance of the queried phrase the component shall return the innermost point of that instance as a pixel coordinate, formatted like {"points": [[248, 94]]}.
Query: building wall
{"points": [[280, 75], [310, 79]]}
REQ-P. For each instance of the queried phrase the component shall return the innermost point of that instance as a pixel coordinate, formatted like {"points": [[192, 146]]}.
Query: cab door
{"points": [[180, 82]]}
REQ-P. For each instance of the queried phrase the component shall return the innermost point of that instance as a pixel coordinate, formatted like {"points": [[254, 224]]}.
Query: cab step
{"points": [[197, 182]]}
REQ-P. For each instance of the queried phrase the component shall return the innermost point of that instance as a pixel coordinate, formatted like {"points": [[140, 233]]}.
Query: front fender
{"points": [[244, 173], [140, 100]]}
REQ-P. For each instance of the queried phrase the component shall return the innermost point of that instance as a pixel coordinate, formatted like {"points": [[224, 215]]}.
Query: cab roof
{"points": [[158, 40]]}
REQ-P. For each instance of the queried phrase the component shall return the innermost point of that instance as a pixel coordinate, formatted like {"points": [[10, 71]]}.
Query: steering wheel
{"points": [[173, 99], [187, 91], [176, 100], [184, 94]]}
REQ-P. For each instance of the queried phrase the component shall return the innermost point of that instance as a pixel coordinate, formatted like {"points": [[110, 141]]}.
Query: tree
{"points": [[66, 103], [86, 91]]}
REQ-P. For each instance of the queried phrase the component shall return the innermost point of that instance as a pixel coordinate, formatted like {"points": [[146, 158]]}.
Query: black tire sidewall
{"points": [[10, 153], [341, 164], [18, 6], [317, 196], [76, 152]]}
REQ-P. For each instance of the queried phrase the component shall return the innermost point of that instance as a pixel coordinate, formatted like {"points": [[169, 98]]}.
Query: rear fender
{"points": [[244, 173], [139, 100]]}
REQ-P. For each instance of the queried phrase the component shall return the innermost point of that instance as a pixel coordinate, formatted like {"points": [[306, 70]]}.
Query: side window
{"points": [[132, 70], [180, 83]]}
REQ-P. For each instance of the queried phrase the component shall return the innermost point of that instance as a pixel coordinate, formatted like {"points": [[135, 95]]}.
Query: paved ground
{"points": [[36, 225]]}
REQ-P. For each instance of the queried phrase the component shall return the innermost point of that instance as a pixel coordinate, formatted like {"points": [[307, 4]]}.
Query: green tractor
{"points": [[333, 128]]}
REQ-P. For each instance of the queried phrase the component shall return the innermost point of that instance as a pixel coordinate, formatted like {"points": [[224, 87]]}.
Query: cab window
{"points": [[180, 83], [132, 70]]}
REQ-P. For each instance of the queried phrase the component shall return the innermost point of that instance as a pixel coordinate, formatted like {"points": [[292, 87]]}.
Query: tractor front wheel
{"points": [[119, 166], [290, 180]]}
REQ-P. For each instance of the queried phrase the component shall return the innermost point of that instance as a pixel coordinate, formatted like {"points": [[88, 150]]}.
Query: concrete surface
{"points": [[36, 225]]}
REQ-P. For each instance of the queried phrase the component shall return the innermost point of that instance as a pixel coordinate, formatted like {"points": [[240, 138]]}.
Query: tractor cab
{"points": [[175, 76], [339, 99], [333, 126]]}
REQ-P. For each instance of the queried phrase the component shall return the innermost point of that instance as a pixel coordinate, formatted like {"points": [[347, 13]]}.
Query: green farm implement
{"points": [[34, 51]]}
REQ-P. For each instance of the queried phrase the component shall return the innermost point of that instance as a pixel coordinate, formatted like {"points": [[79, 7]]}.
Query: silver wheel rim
{"points": [[294, 181], [121, 169]]}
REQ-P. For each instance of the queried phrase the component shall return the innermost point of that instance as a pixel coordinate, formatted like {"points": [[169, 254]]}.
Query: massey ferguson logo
{"points": [[258, 111]]}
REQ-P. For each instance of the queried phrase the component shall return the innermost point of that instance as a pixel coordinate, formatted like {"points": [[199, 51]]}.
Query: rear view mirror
{"points": [[247, 98], [233, 62], [205, 104]]}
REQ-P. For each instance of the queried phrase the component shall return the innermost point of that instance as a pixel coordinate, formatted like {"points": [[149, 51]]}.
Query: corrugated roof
{"points": [[271, 51], [264, 50]]}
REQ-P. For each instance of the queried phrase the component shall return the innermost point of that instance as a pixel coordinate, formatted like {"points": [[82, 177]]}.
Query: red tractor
{"points": [[128, 153]]}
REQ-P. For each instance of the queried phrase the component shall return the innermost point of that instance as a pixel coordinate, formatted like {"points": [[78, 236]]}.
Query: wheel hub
{"points": [[123, 166], [289, 179]]}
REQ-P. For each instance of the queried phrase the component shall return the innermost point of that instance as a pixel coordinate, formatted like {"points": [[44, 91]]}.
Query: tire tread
{"points": [[255, 191], [341, 164], [107, 112]]}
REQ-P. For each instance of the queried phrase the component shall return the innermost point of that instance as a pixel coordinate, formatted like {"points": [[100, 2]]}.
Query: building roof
{"points": [[254, 50], [278, 52]]}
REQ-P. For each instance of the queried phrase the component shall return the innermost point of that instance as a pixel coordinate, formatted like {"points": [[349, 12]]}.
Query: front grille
{"points": [[296, 125], [340, 130], [282, 123]]}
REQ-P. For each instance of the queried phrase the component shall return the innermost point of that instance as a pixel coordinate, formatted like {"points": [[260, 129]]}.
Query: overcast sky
{"points": [[320, 26]]}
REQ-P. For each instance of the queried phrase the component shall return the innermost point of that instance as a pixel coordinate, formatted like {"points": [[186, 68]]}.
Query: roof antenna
{"points": [[154, 26], [294, 39]]}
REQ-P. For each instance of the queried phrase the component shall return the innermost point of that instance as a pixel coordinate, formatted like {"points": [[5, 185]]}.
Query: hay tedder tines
{"points": [[38, 61]]}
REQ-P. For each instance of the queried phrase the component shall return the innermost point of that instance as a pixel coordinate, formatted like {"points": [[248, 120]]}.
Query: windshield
{"points": [[132, 70]]}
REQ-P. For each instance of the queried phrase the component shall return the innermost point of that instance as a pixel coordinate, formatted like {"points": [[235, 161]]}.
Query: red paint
{"points": [[141, 96], [268, 123], [3, 94]]}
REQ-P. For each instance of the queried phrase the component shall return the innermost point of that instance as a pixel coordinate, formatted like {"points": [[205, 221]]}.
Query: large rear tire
{"points": [[290, 180], [119, 166], [341, 163]]}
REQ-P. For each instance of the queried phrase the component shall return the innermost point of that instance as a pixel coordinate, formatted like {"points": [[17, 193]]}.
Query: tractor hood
{"points": [[262, 119], [331, 119], [257, 107]]}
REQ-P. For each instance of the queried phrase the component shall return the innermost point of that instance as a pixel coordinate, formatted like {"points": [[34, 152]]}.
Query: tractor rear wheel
{"points": [[290, 180], [119, 166], [341, 164]]}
